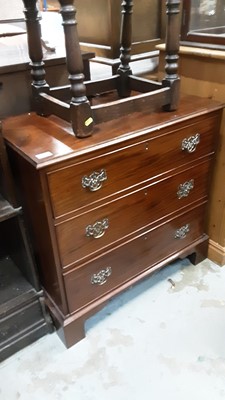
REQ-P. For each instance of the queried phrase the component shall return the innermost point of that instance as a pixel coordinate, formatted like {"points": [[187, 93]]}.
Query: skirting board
{"points": [[216, 253]]}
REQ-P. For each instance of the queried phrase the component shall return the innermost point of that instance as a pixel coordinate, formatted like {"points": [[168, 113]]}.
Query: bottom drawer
{"points": [[107, 272]]}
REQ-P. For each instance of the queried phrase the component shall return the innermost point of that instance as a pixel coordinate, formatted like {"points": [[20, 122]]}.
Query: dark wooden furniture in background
{"points": [[108, 210], [99, 26], [23, 314], [15, 87], [148, 29], [203, 24], [129, 197], [73, 102]]}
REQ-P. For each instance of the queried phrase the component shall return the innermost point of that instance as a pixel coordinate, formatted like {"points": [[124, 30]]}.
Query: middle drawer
{"points": [[99, 228]]}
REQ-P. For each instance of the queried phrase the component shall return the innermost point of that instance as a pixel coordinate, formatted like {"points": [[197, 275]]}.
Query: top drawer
{"points": [[83, 183]]}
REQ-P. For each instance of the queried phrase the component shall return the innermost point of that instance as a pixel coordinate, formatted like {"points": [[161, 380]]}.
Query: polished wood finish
{"points": [[198, 77], [142, 208], [131, 260], [152, 217], [63, 147], [151, 150], [81, 114]]}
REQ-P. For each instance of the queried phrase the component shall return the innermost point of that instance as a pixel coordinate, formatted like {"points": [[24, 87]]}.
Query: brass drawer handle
{"points": [[181, 233], [98, 229], [185, 188], [101, 277], [190, 144], [94, 181]]}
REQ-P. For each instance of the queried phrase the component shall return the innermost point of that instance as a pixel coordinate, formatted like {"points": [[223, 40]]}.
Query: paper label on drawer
{"points": [[43, 155]]}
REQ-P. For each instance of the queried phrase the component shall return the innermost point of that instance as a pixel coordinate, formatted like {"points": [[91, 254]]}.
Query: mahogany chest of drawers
{"points": [[106, 211]]}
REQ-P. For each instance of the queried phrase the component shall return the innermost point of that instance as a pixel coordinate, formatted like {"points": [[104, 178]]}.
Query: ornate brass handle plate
{"points": [[185, 188], [181, 233], [101, 277], [98, 229], [94, 181], [190, 144]]}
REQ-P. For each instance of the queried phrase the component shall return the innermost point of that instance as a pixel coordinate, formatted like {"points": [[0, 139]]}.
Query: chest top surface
{"points": [[46, 141]]}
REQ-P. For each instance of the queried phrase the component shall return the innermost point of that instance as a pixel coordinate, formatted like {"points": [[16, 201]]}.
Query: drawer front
{"points": [[126, 167], [105, 273], [101, 227]]}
